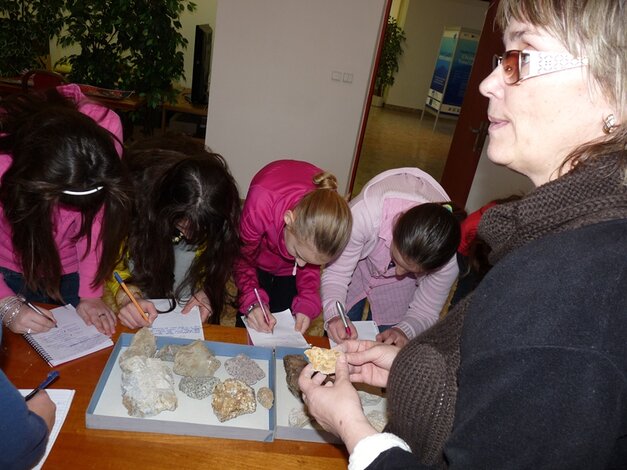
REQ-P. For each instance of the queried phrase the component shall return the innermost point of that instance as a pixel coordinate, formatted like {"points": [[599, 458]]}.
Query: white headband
{"points": [[83, 193]]}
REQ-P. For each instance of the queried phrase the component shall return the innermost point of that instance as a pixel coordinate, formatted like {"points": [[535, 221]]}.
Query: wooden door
{"points": [[472, 124]]}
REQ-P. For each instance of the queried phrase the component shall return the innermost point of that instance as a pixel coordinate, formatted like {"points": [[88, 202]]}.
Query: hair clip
{"points": [[71, 192], [449, 207], [176, 239]]}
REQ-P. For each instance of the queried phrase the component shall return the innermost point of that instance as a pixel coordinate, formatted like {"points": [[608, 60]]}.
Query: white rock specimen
{"points": [[377, 419], [167, 352], [143, 344], [265, 397], [147, 386], [368, 399], [198, 387], [195, 360], [232, 398], [298, 418], [244, 368]]}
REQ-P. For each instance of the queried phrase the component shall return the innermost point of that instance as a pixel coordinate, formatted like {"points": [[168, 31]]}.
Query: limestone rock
{"points": [[198, 387], [244, 368], [195, 360], [294, 364], [147, 386], [167, 352], [265, 397], [368, 399], [298, 418], [232, 398], [143, 344], [377, 419]]}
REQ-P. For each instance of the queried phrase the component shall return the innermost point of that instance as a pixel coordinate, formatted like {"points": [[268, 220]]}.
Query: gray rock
{"points": [[167, 352], [195, 360], [147, 386], [198, 387], [244, 368], [232, 398]]}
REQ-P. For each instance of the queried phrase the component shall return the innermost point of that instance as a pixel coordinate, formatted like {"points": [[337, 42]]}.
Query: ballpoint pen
{"points": [[37, 310], [340, 310], [130, 294], [52, 376], [263, 309]]}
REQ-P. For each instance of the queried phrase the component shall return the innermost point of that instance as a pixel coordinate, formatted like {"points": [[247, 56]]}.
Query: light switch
{"points": [[347, 77], [336, 76]]}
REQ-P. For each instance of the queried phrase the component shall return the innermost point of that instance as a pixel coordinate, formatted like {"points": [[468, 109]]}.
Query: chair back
{"points": [[41, 79]]}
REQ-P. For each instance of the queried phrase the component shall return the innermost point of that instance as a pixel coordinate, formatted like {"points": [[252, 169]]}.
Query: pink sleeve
{"points": [[307, 299], [89, 260]]}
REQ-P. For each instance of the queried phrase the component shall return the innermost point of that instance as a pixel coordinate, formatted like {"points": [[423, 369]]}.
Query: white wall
{"points": [[494, 182], [205, 14], [272, 95], [424, 23]]}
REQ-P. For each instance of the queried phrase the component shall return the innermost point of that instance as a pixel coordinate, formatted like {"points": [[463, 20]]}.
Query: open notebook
{"points": [[71, 340]]}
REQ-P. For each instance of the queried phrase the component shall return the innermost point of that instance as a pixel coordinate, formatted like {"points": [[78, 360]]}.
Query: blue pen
{"points": [[52, 376]]}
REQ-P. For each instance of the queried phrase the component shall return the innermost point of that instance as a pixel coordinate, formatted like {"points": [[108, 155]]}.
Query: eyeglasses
{"points": [[522, 65]]}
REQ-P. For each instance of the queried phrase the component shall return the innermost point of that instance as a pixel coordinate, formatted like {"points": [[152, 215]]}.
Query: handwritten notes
{"points": [[366, 329], [283, 334], [175, 324]]}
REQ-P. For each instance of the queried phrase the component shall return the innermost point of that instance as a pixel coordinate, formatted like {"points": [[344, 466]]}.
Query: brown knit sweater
{"points": [[422, 386]]}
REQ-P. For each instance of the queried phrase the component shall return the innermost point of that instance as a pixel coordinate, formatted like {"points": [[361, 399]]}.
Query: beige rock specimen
{"points": [[143, 344], [298, 418], [232, 398], [377, 419], [147, 386], [195, 360], [265, 397]]}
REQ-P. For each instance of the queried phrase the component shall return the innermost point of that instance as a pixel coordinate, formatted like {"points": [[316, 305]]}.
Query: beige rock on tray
{"points": [[232, 398], [143, 344], [265, 397], [195, 360], [147, 386]]}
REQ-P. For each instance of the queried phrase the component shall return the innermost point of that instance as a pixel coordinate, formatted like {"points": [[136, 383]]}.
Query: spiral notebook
{"points": [[71, 340]]}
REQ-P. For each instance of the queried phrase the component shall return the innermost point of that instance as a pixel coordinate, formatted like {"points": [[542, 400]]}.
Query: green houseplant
{"points": [[26, 27], [391, 50], [127, 44]]}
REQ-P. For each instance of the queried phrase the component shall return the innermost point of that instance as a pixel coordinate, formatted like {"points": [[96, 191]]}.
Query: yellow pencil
{"points": [[130, 295]]}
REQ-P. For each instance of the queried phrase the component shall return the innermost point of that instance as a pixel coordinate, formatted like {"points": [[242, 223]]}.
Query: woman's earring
{"points": [[609, 124]]}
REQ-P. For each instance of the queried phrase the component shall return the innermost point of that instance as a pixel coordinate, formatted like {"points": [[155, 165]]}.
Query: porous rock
{"points": [[147, 386], [198, 387], [265, 397], [232, 398], [195, 360]]}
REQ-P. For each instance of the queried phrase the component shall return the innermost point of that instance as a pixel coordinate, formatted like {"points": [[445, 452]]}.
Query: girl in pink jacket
{"points": [[63, 206], [292, 222]]}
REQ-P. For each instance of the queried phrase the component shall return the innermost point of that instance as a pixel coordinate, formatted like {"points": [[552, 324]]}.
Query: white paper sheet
{"points": [[63, 400], [366, 329], [282, 335], [176, 324]]}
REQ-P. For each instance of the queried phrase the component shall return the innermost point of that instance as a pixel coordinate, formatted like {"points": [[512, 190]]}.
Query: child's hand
{"points": [[130, 317], [337, 332], [302, 322], [257, 321], [201, 300], [95, 312]]}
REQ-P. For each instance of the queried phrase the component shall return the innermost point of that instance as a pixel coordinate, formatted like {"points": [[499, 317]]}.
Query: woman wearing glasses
{"points": [[530, 370]]}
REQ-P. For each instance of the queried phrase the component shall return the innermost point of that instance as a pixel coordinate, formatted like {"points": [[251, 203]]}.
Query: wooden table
{"points": [[181, 105], [79, 447]]}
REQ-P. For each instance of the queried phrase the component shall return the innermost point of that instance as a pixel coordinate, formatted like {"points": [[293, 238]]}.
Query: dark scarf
{"points": [[422, 386]]}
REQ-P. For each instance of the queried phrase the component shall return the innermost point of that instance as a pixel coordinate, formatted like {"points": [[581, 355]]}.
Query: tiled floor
{"points": [[393, 139]]}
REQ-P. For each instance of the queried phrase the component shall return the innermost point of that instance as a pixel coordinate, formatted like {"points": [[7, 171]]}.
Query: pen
{"points": [[263, 309], [130, 294], [340, 310], [52, 376], [38, 310]]}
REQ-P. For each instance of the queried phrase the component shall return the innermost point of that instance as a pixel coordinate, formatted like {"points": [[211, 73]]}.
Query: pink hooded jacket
{"points": [[276, 188]]}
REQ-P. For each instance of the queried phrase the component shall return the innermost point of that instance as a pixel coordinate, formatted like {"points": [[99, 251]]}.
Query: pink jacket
{"points": [[412, 303], [74, 255], [276, 188]]}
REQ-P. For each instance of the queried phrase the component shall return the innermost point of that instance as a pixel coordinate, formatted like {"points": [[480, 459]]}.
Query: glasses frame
{"points": [[536, 63]]}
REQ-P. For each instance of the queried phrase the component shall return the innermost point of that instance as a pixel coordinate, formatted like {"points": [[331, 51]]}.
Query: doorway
{"points": [[395, 136]]}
